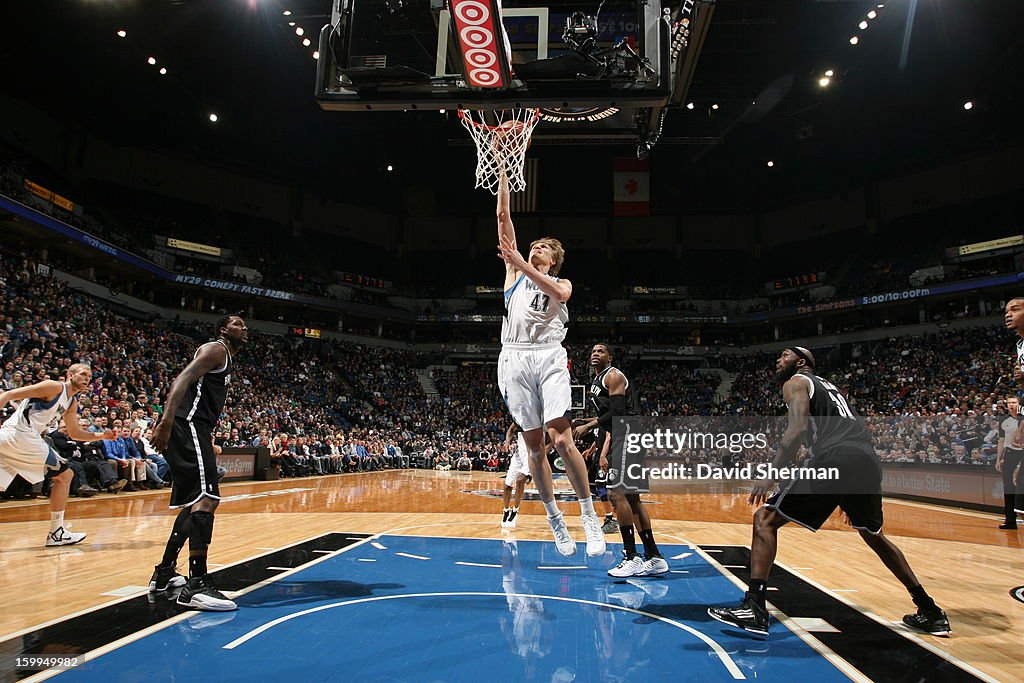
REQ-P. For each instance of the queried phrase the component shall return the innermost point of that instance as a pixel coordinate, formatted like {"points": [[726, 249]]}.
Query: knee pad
{"points": [[200, 529]]}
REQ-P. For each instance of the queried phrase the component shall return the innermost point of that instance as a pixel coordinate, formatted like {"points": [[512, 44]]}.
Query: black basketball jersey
{"points": [[835, 424], [600, 399], [204, 400]]}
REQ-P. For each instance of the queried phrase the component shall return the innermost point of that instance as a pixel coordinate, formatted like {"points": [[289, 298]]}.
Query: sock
{"points": [[176, 541], [56, 520], [758, 591], [650, 547], [197, 565], [587, 507], [608, 517], [512, 512], [552, 509], [504, 514], [628, 540], [922, 599]]}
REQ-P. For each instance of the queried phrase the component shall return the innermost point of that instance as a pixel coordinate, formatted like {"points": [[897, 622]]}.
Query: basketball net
{"points": [[501, 138]]}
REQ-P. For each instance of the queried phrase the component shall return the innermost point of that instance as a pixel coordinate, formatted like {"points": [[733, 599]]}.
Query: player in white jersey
{"points": [[24, 452], [533, 372], [516, 477]]}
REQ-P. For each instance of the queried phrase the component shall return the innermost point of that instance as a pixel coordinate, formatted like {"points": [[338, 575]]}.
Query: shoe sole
{"points": [[918, 629], [63, 543], [663, 571], [756, 632], [208, 607], [601, 552]]}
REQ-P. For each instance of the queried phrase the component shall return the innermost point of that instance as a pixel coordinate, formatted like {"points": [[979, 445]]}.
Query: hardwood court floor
{"points": [[965, 562]]}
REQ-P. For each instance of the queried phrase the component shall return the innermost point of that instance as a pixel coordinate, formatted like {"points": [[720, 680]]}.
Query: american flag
{"points": [[369, 61], [526, 201]]}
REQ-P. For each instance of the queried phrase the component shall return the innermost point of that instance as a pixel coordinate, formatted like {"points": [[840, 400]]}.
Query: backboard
{"points": [[579, 61]]}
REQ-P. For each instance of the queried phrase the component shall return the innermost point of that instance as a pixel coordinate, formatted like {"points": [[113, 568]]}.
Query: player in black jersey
{"points": [[820, 417], [191, 411], [609, 393]]}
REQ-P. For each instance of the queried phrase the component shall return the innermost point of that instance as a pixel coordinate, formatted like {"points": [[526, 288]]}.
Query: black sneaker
{"points": [[200, 594], [1008, 526], [164, 578], [749, 616], [934, 622]]}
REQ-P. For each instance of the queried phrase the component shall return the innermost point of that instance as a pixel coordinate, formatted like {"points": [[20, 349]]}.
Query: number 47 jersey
{"points": [[835, 424], [531, 316]]}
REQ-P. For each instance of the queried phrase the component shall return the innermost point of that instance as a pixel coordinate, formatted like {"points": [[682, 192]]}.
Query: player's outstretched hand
{"points": [[760, 493], [109, 435], [509, 254]]}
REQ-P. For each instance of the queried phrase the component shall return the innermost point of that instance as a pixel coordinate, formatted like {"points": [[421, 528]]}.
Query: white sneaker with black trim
{"points": [[61, 536], [653, 567], [513, 515], [629, 566]]}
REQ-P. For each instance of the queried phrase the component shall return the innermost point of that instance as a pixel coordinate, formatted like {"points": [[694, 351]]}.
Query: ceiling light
{"points": [[872, 14], [316, 54], [122, 33], [441, 111], [830, 73], [771, 164], [299, 31], [390, 168], [291, 23], [690, 105], [152, 61], [823, 82], [715, 107], [863, 25], [305, 42], [287, 12], [213, 118], [163, 71], [968, 105], [854, 40]]}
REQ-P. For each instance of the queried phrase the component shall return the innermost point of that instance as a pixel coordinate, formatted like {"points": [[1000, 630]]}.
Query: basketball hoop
{"points": [[501, 138]]}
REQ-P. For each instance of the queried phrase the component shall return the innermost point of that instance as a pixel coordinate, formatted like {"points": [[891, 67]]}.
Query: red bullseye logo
{"points": [[476, 26]]}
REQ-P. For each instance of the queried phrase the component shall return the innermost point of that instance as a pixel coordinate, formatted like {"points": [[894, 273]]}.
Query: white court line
{"points": [[906, 633], [411, 556], [274, 549], [279, 569], [378, 546], [582, 566], [718, 649], [323, 551], [477, 564], [366, 559], [126, 590], [845, 590], [679, 571], [735, 566]]}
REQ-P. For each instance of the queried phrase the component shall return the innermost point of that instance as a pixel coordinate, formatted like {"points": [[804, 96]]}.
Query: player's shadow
{"points": [[288, 593]]}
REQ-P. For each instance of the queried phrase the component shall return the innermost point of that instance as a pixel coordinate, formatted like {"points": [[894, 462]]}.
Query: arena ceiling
{"points": [[895, 100]]}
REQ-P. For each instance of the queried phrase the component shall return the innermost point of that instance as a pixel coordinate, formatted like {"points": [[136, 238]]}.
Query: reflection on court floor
{"points": [[403, 608]]}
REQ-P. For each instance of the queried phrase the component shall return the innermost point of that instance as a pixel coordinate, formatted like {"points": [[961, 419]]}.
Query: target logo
{"points": [[477, 26]]}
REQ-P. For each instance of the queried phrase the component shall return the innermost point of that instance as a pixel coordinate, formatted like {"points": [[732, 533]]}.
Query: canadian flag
{"points": [[632, 182]]}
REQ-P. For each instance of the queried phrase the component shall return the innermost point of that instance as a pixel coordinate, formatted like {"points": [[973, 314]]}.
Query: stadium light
{"points": [[968, 105], [299, 31], [441, 111], [305, 42], [854, 40], [152, 61], [287, 12], [316, 54], [872, 14], [390, 168], [830, 73], [771, 164], [690, 105], [863, 25], [163, 71], [213, 118], [715, 107], [824, 82], [122, 33]]}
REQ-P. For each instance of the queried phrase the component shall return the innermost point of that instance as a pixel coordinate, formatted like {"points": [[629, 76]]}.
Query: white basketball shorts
{"points": [[535, 384], [21, 453]]}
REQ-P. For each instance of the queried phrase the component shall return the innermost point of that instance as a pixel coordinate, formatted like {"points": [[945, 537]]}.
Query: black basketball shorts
{"points": [[193, 464]]}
